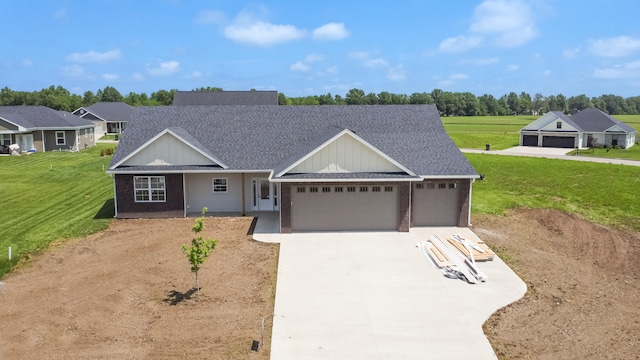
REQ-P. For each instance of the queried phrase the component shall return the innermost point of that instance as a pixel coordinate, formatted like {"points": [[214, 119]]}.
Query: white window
{"points": [[220, 185], [5, 139], [149, 188], [559, 125], [60, 138]]}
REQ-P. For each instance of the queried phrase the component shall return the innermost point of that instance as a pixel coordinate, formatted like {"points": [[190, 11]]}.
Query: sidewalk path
{"points": [[550, 153]]}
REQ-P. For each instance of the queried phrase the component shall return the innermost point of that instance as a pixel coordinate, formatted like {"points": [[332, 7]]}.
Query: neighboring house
{"points": [[585, 129], [252, 97], [39, 128], [109, 117], [323, 168]]}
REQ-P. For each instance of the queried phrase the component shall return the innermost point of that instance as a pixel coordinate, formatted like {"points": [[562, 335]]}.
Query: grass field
{"points": [[603, 193], [501, 132], [474, 132], [51, 196]]}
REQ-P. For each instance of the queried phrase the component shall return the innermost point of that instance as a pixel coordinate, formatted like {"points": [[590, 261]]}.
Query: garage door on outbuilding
{"points": [[529, 140], [559, 141], [436, 203], [344, 207]]}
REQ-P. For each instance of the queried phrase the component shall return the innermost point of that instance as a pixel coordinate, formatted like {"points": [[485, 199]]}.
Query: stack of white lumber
{"points": [[456, 256]]}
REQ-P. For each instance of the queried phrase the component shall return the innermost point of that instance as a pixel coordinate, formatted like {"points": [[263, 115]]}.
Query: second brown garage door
{"points": [[344, 208], [435, 203]]}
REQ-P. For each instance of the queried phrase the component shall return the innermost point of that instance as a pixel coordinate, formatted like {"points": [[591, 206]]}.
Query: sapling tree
{"points": [[200, 248]]}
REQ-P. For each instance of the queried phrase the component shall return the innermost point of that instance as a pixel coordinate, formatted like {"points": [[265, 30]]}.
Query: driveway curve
{"points": [[376, 296]]}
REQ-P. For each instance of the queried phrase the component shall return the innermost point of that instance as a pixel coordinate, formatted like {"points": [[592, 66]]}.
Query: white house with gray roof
{"points": [[585, 129], [109, 117], [322, 168], [39, 128]]}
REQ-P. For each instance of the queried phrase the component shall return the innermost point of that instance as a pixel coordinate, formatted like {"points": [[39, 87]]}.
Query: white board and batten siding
{"points": [[168, 150], [200, 193], [345, 154]]}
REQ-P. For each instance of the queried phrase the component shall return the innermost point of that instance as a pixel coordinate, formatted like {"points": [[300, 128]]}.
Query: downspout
{"points": [[469, 212], [77, 140], [115, 198], [184, 195], [44, 145]]}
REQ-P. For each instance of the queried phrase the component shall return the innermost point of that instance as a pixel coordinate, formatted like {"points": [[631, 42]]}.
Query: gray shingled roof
{"points": [[595, 120], [110, 111], [225, 98], [38, 117], [264, 137]]}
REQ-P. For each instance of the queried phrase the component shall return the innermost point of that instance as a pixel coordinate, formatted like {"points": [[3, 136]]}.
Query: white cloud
{"points": [[74, 71], [396, 73], [211, 17], [194, 75], [59, 14], [263, 33], [460, 44], [299, 66], [458, 76], [314, 58], [546, 73], [95, 57], [26, 63], [571, 53], [331, 31], [622, 71], [358, 55], [137, 76], [510, 21], [110, 77], [480, 61], [375, 63], [165, 68], [614, 47], [513, 67]]}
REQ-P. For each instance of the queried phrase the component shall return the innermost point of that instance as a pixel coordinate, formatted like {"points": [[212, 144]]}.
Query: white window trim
{"points": [[149, 189], [64, 138], [224, 186]]}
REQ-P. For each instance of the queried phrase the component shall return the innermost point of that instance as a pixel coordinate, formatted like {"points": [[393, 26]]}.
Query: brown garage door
{"points": [[344, 208], [529, 140], [558, 141], [436, 203]]}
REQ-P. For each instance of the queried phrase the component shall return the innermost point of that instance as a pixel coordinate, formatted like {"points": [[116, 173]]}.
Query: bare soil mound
{"points": [[583, 300], [128, 293]]}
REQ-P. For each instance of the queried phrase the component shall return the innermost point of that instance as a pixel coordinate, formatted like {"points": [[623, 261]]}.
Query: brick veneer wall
{"points": [[171, 208], [465, 202]]}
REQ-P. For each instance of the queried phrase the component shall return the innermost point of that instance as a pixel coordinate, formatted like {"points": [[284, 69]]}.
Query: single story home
{"points": [[109, 117], [587, 128], [252, 97], [321, 168], [39, 128]]}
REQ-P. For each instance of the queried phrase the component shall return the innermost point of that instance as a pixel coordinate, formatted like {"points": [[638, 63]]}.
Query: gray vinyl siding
{"points": [[200, 193]]}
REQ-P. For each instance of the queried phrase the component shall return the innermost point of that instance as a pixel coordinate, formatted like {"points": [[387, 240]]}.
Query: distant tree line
{"points": [[448, 103]]}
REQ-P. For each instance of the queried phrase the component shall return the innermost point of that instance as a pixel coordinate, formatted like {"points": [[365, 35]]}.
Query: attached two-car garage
{"points": [[360, 207], [344, 207], [555, 141]]}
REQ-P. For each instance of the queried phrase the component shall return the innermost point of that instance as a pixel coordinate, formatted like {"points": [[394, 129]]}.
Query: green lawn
{"points": [[603, 193], [51, 196], [475, 132]]}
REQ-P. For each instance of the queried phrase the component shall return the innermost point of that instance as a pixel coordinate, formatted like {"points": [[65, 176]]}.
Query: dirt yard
{"points": [[126, 293], [583, 300]]}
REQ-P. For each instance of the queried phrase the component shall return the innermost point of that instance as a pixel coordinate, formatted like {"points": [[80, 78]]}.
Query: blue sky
{"points": [[301, 48]]}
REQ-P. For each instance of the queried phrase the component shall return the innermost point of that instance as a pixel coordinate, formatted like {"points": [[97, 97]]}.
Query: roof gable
{"points": [[345, 152], [548, 122], [37, 117], [595, 120], [107, 111], [170, 147]]}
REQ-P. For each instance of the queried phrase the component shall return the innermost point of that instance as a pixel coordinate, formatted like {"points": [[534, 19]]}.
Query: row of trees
{"points": [[448, 103], [468, 104]]}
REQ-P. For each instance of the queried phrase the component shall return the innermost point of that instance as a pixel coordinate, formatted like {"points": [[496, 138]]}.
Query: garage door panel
{"points": [[339, 211], [558, 141], [529, 140], [436, 204]]}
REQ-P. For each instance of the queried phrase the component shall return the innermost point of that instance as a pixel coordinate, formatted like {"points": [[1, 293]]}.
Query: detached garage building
{"points": [[322, 168], [585, 129]]}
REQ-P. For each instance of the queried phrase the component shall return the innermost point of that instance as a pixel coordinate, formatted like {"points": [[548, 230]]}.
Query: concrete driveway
{"points": [[551, 153], [376, 296]]}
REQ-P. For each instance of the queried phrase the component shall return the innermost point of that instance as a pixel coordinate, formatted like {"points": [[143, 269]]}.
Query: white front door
{"points": [[263, 194]]}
